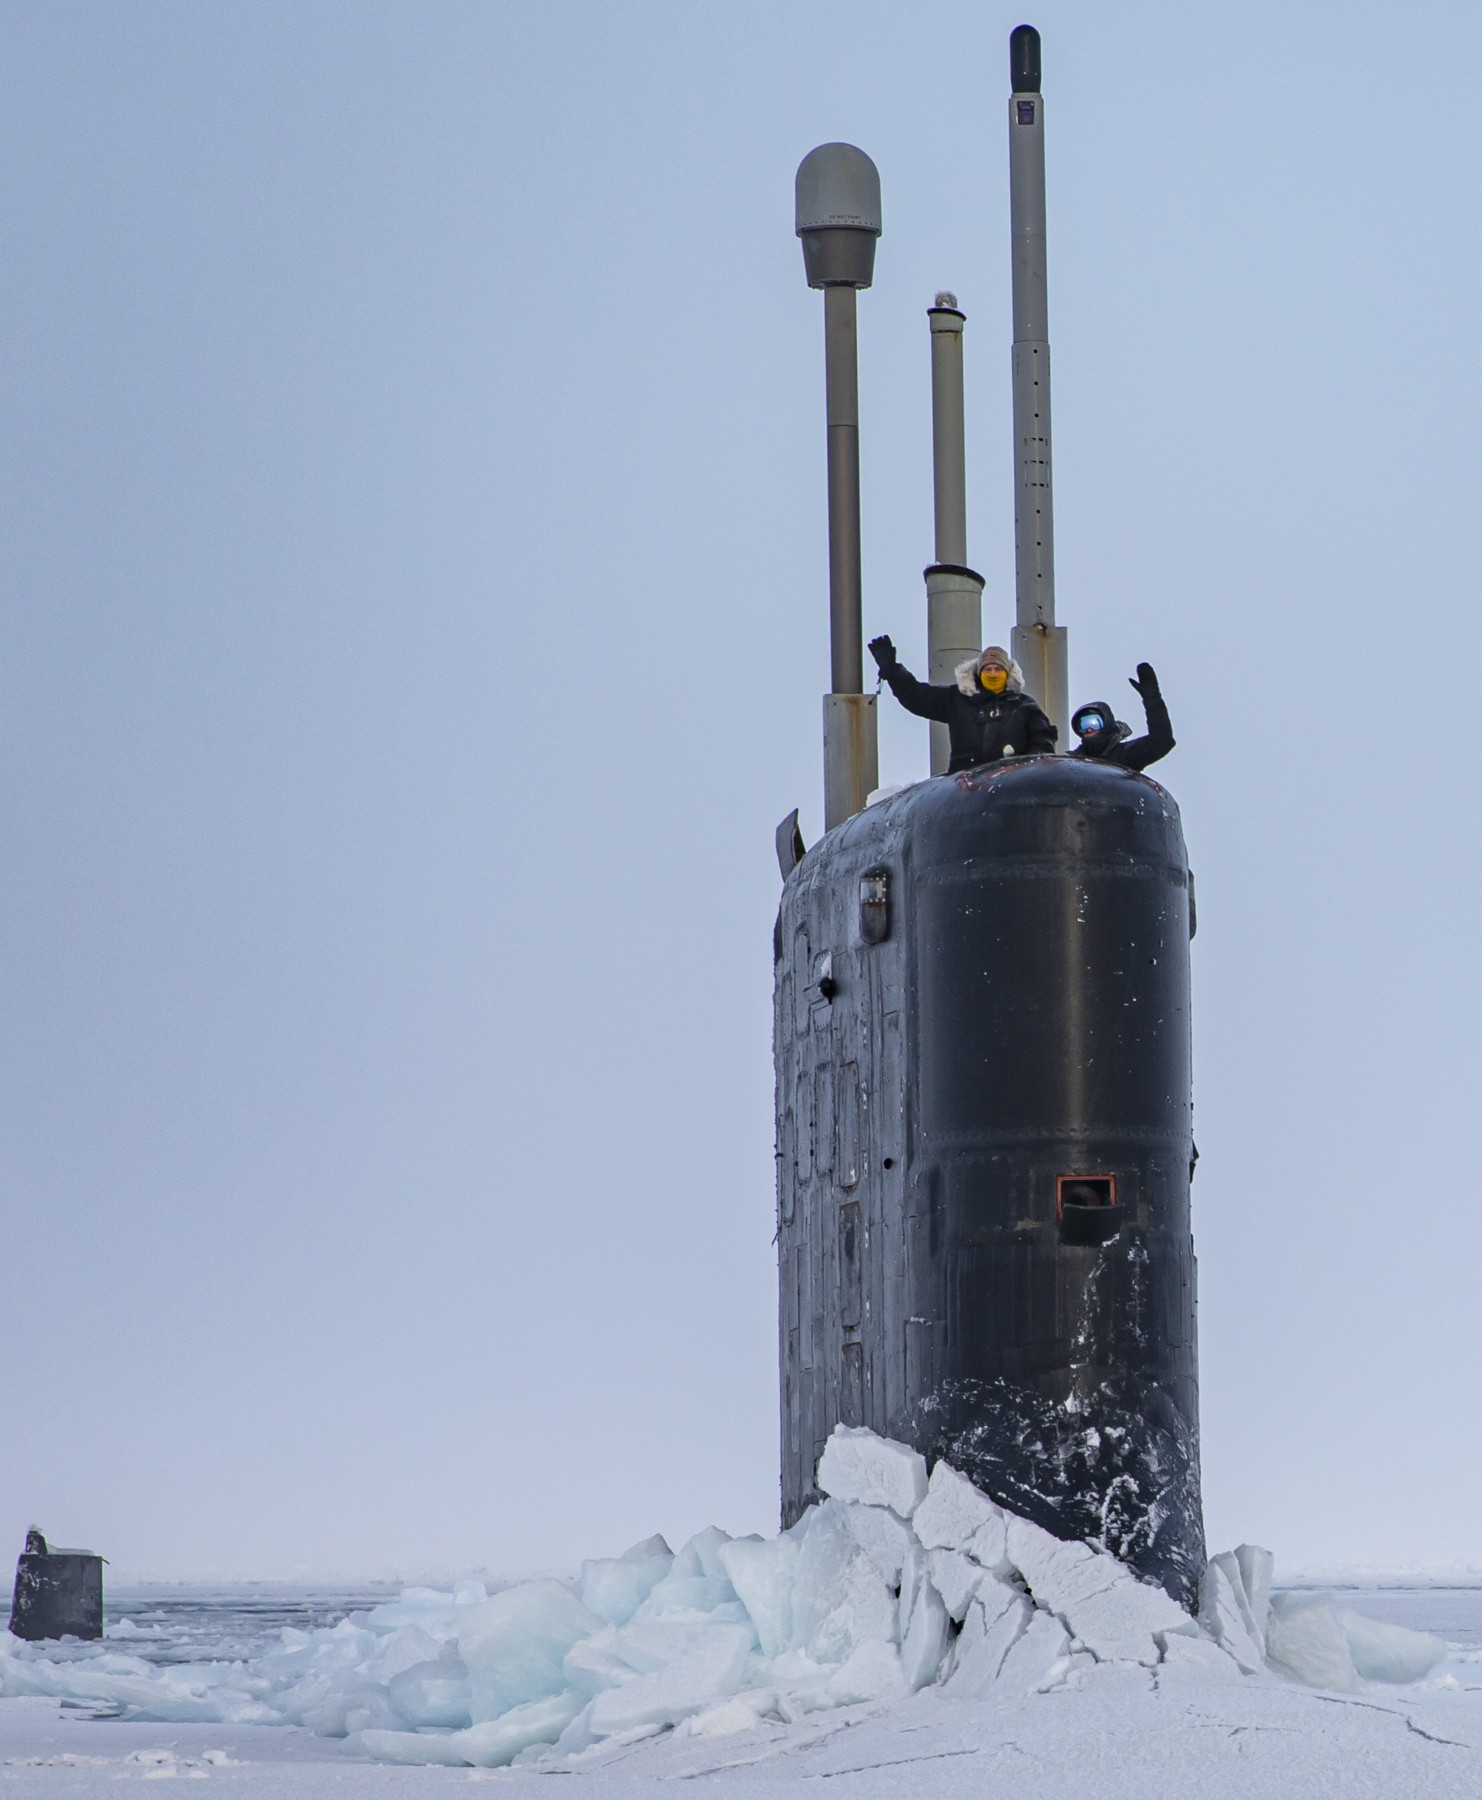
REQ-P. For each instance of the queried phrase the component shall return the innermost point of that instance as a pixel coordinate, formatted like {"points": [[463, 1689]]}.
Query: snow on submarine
{"points": [[981, 1018]]}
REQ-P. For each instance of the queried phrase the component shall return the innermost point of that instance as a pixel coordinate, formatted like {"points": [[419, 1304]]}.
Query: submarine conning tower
{"points": [[981, 1014], [985, 1147]]}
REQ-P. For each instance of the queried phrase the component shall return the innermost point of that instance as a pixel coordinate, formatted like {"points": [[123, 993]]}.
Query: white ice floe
{"points": [[892, 1585], [872, 1471]]}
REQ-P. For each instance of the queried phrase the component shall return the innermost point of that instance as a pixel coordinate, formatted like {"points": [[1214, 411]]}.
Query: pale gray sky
{"points": [[411, 464]]}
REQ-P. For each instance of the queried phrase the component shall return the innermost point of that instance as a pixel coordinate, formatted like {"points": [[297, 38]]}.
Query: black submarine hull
{"points": [[984, 1150]]}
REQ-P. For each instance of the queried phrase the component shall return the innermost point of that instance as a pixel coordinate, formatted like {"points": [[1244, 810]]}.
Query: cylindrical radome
{"points": [[984, 1150], [838, 220], [837, 215], [1038, 643]]}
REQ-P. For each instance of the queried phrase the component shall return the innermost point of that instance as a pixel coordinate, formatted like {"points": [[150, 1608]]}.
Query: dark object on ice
{"points": [[1111, 741], [984, 1134], [58, 1593]]}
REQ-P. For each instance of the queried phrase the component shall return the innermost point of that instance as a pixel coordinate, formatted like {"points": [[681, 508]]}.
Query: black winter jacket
{"points": [[1112, 745], [984, 726]]}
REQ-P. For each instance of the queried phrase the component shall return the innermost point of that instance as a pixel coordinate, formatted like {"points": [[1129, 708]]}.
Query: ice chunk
{"points": [[1032, 1657], [688, 1594], [336, 1702], [1235, 1602], [883, 1538], [597, 1662], [915, 1570], [955, 1577], [873, 1471], [871, 1672], [709, 1665], [648, 1645], [1223, 1616], [1305, 1640], [954, 1512], [469, 1593], [924, 1641], [614, 1587], [1067, 1673], [433, 1693], [697, 1581], [761, 1571], [838, 1599], [497, 1742], [701, 1556], [1100, 1600], [1255, 1566], [415, 1747], [1389, 1653], [515, 1645], [743, 1712], [996, 1620], [989, 1545]]}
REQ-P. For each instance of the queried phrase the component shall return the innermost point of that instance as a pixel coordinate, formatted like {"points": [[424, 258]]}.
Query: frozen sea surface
{"points": [[906, 1634], [1124, 1737], [233, 1622]]}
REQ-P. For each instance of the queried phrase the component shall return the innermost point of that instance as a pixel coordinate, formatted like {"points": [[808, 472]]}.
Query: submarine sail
{"points": [[984, 1088]]}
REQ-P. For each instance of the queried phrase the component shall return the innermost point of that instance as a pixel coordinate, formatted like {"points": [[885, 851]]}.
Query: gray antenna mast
{"points": [[1039, 643], [838, 219]]}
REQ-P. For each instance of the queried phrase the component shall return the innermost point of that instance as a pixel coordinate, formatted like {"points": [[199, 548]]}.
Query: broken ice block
{"points": [[433, 1693], [761, 1571], [1032, 1656], [883, 1538], [1305, 1640], [498, 1742], [514, 1645], [1226, 1617], [1389, 1653], [1100, 1600], [954, 1514], [874, 1471], [838, 1600], [709, 1665], [956, 1578], [924, 1640], [614, 1587], [997, 1618], [1256, 1567]]}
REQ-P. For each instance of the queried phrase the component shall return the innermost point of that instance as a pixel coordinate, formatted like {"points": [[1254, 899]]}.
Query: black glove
{"points": [[1146, 682], [884, 654]]}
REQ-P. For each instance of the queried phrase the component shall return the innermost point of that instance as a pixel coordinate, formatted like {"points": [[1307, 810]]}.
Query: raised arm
{"points": [[917, 697], [1159, 740]]}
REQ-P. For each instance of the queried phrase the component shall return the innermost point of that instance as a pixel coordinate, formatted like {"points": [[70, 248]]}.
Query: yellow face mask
{"points": [[993, 678]]}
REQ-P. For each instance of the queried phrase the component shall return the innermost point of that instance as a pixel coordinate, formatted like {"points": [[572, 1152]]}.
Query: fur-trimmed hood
{"points": [[967, 675]]}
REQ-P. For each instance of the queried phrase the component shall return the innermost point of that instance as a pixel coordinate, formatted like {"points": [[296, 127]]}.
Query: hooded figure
{"points": [[1104, 736], [986, 711]]}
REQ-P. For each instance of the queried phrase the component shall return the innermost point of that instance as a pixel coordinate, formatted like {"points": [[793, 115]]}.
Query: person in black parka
{"points": [[1105, 737], [986, 711]]}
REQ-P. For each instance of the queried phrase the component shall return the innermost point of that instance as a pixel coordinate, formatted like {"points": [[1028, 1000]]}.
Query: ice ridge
{"points": [[898, 1581]]}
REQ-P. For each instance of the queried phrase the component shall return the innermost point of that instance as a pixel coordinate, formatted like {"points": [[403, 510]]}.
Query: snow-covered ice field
{"points": [[1123, 1736], [903, 1638]]}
